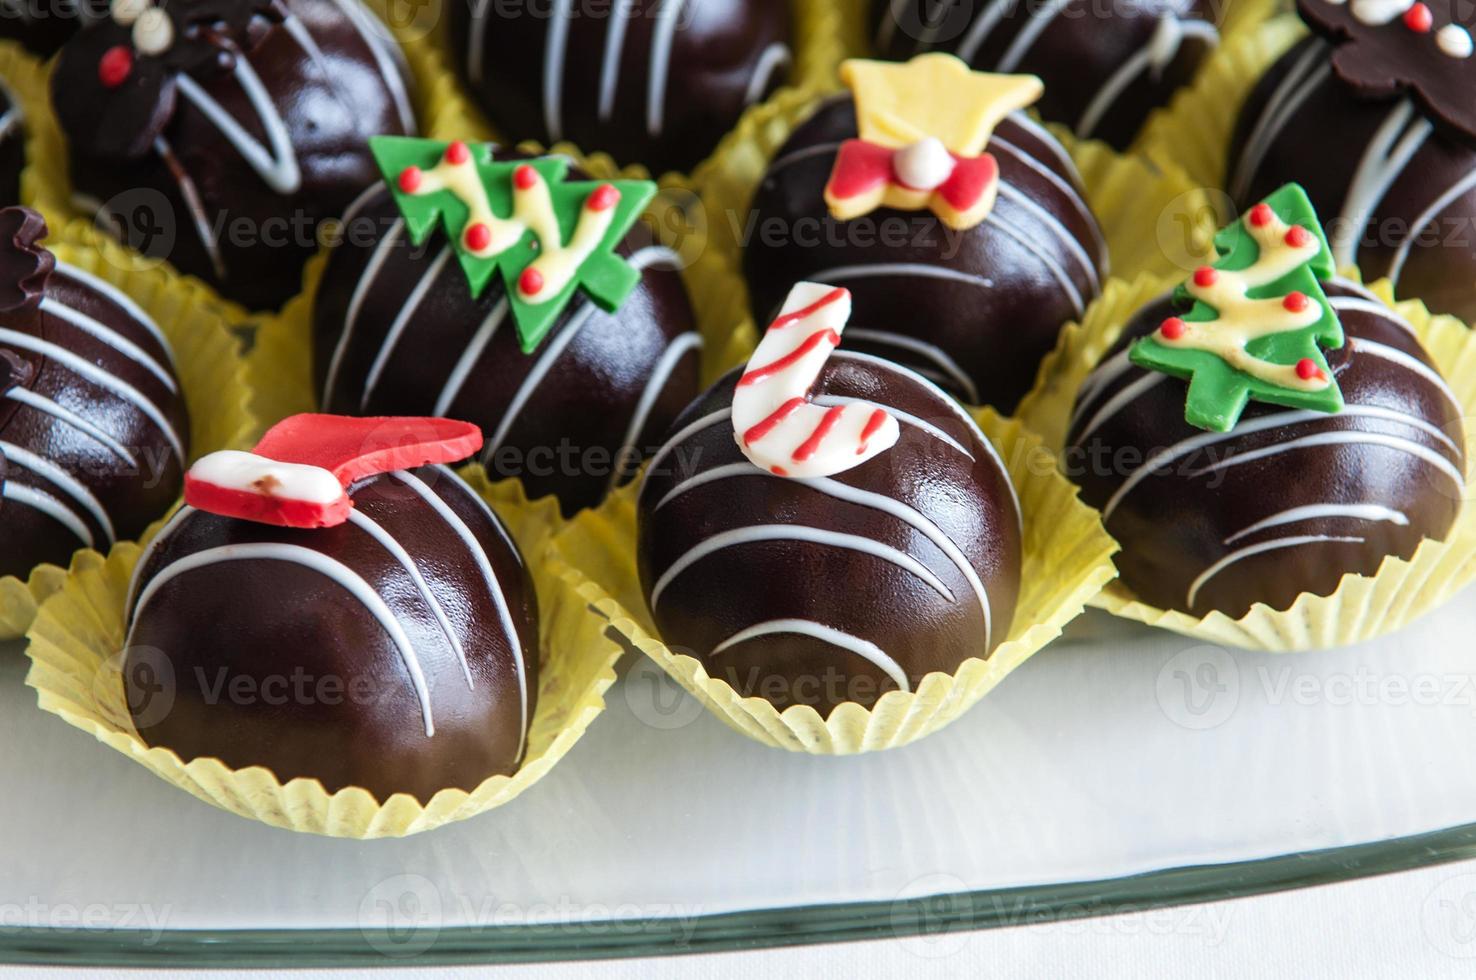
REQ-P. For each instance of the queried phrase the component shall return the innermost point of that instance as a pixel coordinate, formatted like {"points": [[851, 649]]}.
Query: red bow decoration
{"points": [[959, 190]]}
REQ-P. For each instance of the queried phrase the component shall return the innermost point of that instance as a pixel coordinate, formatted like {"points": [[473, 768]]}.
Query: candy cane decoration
{"points": [[774, 421]]}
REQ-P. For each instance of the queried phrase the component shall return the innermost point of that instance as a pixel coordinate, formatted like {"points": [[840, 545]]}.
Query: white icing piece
{"points": [[494, 588], [50, 506], [610, 66], [125, 12], [924, 165], [555, 49], [43, 404], [381, 253], [1454, 40], [231, 469], [277, 167], [1339, 438], [1256, 549], [98, 376], [1462, 186], [758, 533], [552, 351], [774, 59], [401, 321], [776, 425], [337, 572], [1321, 512], [107, 335], [1042, 15], [1381, 165], [655, 385], [153, 32], [469, 358], [947, 365], [662, 37], [398, 552], [910, 516], [825, 634], [1380, 12], [1310, 70]]}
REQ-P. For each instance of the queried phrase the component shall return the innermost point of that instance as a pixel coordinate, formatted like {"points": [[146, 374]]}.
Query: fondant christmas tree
{"points": [[546, 235], [1259, 320]]}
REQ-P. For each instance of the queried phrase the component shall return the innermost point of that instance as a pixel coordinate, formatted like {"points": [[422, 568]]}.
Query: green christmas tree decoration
{"points": [[605, 277], [1276, 364]]}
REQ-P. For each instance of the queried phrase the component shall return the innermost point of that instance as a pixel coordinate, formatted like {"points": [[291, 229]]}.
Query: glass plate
{"points": [[1120, 769]]}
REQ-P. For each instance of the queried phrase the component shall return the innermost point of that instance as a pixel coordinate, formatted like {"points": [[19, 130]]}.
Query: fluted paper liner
{"points": [[1362, 606], [1067, 559], [76, 649], [207, 358]]}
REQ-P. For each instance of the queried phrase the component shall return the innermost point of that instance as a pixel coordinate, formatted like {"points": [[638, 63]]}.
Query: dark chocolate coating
{"points": [[12, 147], [1423, 222], [577, 409], [1105, 66], [236, 231], [724, 56], [990, 300], [43, 26], [947, 477], [57, 414], [269, 662], [1175, 524]]}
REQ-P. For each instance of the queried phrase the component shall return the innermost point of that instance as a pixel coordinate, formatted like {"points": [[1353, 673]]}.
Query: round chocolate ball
{"points": [[218, 136], [655, 82], [12, 146], [93, 427], [397, 652], [397, 332], [1105, 66], [823, 591], [974, 311], [1396, 193], [1287, 502]]}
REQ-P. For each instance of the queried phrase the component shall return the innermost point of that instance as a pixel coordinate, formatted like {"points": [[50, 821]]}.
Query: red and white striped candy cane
{"points": [[776, 425]]}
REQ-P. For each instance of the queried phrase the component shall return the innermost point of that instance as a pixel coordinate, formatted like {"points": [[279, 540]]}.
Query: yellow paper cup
{"points": [[207, 357], [24, 77], [1067, 560], [76, 648], [1363, 606]]}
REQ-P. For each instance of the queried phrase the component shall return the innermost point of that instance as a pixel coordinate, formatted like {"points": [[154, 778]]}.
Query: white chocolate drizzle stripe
{"points": [[775, 58], [402, 320], [101, 332], [1382, 163], [45, 405], [1062, 277], [1163, 47], [826, 634], [1462, 186], [980, 30], [1042, 15], [554, 52], [1015, 196], [789, 159], [1117, 402], [552, 351], [60, 478], [1318, 512], [1349, 304], [191, 195], [169, 528], [1313, 67], [361, 290], [387, 57], [1066, 187], [947, 365], [47, 504], [1256, 549], [843, 273], [276, 167], [610, 66], [662, 37], [655, 385], [1342, 437], [120, 298], [469, 358], [482, 506], [1395, 356]]}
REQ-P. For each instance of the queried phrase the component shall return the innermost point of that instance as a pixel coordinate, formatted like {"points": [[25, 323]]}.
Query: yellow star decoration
{"points": [[934, 95]]}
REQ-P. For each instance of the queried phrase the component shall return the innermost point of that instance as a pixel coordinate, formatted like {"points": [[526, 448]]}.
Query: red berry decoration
{"points": [[457, 153], [1172, 328], [1419, 19], [115, 65], [1298, 237], [478, 237], [1261, 215], [1307, 369], [1296, 302], [410, 179], [525, 177], [1204, 277], [604, 198], [530, 282]]}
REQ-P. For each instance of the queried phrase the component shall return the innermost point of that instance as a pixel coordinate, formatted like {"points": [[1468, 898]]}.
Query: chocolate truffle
{"points": [[655, 82], [1377, 122], [93, 427], [1288, 501], [824, 589], [43, 26], [220, 134], [12, 146], [974, 310], [397, 652], [398, 331], [1105, 66]]}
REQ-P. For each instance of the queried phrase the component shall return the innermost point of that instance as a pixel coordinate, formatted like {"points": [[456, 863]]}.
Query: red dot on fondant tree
{"points": [[478, 236], [457, 153], [1307, 369], [115, 65], [530, 282], [410, 179], [1260, 215], [604, 198], [1172, 328], [1296, 302], [525, 177], [1204, 276], [1298, 237], [1419, 19]]}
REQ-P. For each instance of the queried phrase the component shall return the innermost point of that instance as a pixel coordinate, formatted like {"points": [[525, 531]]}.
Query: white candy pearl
{"points": [[1378, 12], [153, 32], [125, 12], [1454, 40], [924, 165]]}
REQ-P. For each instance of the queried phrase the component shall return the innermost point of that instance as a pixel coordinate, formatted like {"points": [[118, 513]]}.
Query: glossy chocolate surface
{"points": [[656, 82], [12, 147], [941, 481], [1243, 517], [266, 660], [557, 418], [974, 311]]}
